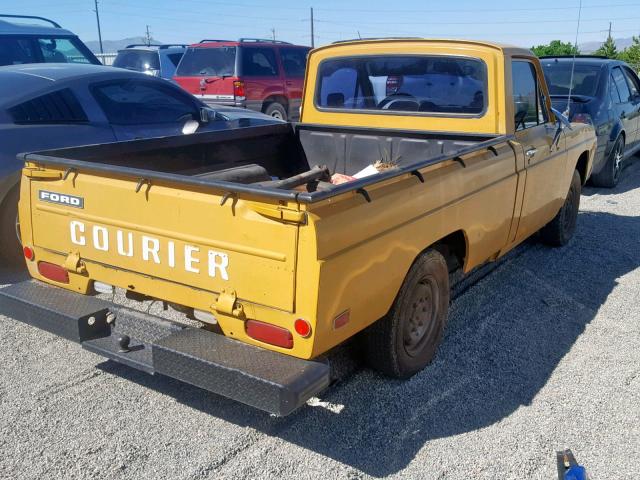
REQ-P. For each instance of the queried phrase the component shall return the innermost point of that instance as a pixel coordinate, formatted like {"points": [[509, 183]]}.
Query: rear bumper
{"points": [[263, 379]]}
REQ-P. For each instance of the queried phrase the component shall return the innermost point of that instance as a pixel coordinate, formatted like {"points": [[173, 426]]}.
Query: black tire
{"points": [[560, 230], [609, 176], [405, 341], [10, 249], [276, 110]]}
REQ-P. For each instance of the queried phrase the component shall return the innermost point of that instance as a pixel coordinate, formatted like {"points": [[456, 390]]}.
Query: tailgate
{"points": [[176, 233]]}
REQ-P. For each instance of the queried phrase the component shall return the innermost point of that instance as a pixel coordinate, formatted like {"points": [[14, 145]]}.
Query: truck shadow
{"points": [[505, 337]]}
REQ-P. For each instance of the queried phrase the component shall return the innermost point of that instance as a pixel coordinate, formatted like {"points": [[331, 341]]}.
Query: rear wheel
{"points": [[559, 231], [10, 249], [276, 110], [610, 174], [406, 339]]}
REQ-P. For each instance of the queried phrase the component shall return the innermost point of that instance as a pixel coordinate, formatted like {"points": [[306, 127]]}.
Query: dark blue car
{"points": [[607, 93]]}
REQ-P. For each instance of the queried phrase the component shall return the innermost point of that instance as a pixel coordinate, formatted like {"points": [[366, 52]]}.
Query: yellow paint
{"points": [[315, 261]]}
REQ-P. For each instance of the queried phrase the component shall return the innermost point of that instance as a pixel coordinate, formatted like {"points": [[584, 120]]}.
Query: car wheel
{"points": [[406, 339], [560, 230], [610, 174], [10, 249], [276, 110]]}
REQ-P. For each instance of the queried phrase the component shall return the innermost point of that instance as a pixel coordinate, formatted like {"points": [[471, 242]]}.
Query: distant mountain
{"points": [[590, 47], [112, 46]]}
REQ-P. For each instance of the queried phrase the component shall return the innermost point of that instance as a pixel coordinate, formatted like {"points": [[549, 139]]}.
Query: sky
{"points": [[186, 21]]}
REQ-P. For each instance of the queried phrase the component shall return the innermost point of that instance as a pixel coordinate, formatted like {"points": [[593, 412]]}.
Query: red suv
{"points": [[263, 75]]}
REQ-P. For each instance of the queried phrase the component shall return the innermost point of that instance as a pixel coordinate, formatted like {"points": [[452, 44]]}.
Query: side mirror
{"points": [[204, 115], [562, 120]]}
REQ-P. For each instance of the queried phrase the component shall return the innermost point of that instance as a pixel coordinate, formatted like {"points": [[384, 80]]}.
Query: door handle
{"points": [[531, 153], [289, 83]]}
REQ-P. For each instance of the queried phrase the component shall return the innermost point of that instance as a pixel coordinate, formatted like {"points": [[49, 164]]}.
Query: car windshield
{"points": [[558, 76], [138, 60], [217, 62], [20, 50], [428, 84]]}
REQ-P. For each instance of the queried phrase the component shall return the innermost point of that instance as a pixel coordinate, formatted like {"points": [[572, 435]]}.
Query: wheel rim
{"points": [[617, 161], [277, 114], [420, 318]]}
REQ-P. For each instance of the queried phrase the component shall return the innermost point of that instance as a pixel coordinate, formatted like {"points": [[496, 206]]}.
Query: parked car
{"points": [[155, 60], [27, 43], [59, 106], [262, 75], [607, 93]]}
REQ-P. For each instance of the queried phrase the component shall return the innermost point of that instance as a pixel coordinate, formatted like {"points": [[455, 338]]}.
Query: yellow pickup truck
{"points": [[414, 160]]}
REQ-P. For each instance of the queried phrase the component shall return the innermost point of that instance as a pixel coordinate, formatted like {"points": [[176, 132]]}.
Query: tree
{"points": [[555, 47], [631, 54], [608, 48]]}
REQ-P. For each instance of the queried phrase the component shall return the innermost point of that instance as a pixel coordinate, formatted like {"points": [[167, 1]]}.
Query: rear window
{"points": [[16, 51], [216, 62], [422, 84], [138, 60], [55, 107], [558, 75]]}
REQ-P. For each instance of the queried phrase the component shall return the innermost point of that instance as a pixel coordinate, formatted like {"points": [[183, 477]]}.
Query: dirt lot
{"points": [[542, 354]]}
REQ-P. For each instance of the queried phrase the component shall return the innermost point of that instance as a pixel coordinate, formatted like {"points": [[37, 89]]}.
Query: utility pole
{"points": [[609, 30], [273, 33], [312, 36], [148, 37], [98, 20]]}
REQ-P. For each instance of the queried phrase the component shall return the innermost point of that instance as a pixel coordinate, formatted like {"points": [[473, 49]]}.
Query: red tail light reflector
{"points": [[341, 320], [29, 254], [264, 332], [302, 327], [53, 272], [238, 89]]}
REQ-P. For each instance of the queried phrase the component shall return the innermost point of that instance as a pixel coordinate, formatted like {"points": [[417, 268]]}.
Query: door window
{"points": [[294, 61], [634, 83], [16, 51], [528, 100], [621, 84], [132, 102], [259, 62], [61, 50]]}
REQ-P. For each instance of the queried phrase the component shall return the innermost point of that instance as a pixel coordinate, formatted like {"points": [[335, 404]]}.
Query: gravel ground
{"points": [[542, 354]]}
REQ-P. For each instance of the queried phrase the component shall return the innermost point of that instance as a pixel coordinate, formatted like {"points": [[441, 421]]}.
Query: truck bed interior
{"points": [[278, 156]]}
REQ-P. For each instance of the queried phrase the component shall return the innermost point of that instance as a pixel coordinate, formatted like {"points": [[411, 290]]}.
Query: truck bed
{"points": [[281, 151]]}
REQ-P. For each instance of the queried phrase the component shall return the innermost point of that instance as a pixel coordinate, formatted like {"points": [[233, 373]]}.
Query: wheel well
{"points": [[454, 249], [582, 165], [275, 99]]}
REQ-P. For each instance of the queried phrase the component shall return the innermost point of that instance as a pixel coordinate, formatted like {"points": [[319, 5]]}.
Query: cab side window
{"points": [[634, 82], [621, 84], [529, 106]]}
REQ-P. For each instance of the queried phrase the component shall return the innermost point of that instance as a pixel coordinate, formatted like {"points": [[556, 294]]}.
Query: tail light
{"points": [[238, 90], [302, 327], [341, 320], [582, 118], [267, 333], [394, 82], [53, 272], [29, 254]]}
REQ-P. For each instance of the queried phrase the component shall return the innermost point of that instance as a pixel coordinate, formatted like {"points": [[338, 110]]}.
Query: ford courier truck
{"points": [[416, 161]]}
